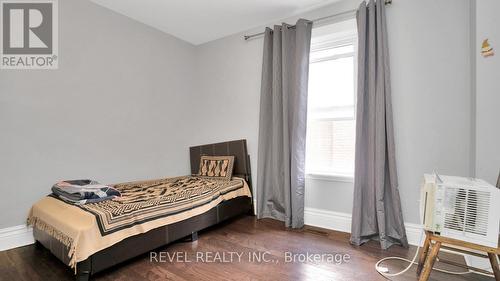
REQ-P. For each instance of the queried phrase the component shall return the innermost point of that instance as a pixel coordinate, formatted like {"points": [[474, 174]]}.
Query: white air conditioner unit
{"points": [[466, 209]]}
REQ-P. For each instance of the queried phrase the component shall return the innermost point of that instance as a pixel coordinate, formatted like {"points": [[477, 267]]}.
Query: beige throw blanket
{"points": [[143, 206]]}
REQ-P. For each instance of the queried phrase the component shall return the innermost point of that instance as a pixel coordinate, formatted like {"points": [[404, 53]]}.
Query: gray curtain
{"points": [[282, 128], [377, 207]]}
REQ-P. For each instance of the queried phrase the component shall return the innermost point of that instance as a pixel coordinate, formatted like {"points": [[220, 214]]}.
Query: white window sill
{"points": [[330, 177]]}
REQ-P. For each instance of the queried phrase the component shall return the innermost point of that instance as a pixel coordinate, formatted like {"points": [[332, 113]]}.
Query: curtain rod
{"points": [[246, 37]]}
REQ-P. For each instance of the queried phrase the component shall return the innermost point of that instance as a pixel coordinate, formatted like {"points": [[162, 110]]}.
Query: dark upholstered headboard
{"points": [[237, 148]]}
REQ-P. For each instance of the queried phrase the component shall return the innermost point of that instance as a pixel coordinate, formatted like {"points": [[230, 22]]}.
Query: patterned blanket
{"points": [[148, 200], [87, 229]]}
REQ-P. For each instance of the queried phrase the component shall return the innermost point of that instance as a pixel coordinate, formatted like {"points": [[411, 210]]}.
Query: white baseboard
{"points": [[414, 233], [15, 236], [328, 219], [342, 222]]}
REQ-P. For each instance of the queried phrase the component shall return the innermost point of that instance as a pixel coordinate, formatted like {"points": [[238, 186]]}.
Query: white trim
{"points": [[15, 236], [334, 40], [328, 219], [342, 222], [414, 233], [332, 57], [330, 177], [332, 43]]}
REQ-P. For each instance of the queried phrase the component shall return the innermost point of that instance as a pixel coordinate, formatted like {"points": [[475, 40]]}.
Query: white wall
{"points": [[487, 92], [431, 75], [429, 44], [110, 112], [228, 93]]}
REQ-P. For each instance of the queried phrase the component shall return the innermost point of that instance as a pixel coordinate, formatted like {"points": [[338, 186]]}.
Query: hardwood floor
{"points": [[244, 236]]}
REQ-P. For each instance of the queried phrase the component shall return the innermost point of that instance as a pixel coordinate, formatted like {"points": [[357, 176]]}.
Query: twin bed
{"points": [[150, 214]]}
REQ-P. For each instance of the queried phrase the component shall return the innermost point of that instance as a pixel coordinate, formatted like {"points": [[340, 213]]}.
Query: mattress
{"points": [[144, 205]]}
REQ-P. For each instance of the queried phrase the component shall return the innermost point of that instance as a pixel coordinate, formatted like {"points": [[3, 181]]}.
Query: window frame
{"points": [[331, 43]]}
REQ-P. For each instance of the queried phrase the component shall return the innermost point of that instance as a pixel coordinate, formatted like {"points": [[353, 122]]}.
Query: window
{"points": [[331, 123]]}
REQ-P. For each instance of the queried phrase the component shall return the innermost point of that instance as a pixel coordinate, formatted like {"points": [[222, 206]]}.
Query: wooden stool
{"points": [[435, 242]]}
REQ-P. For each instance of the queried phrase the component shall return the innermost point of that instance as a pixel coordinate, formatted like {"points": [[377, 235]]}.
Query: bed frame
{"points": [[155, 238]]}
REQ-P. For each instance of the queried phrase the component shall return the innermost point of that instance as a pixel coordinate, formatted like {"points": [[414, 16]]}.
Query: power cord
{"points": [[383, 271]]}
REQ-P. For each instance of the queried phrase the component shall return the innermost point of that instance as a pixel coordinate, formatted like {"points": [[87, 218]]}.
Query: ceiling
{"points": [[201, 21]]}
